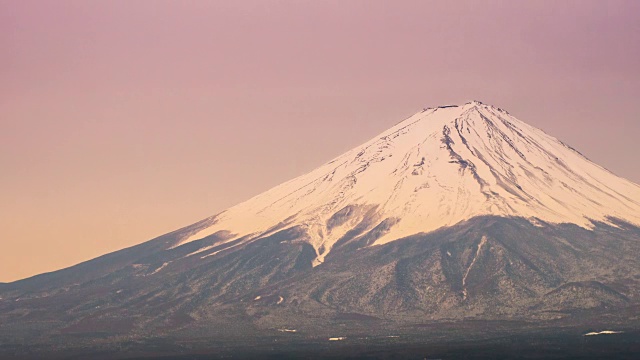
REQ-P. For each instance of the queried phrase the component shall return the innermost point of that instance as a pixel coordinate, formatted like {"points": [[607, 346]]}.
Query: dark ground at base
{"points": [[546, 346], [607, 347]]}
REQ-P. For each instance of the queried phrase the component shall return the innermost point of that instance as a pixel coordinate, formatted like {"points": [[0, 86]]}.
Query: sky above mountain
{"points": [[121, 121]]}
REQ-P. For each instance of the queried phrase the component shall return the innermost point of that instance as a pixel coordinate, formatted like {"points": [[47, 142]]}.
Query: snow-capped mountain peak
{"points": [[439, 167]]}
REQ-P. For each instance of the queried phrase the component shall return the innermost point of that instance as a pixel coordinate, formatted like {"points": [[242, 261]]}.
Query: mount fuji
{"points": [[458, 215]]}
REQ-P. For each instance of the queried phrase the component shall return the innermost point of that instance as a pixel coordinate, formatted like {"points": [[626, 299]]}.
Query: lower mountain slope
{"points": [[487, 268]]}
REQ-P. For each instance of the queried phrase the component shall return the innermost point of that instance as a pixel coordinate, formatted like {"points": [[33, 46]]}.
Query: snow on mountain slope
{"points": [[437, 168]]}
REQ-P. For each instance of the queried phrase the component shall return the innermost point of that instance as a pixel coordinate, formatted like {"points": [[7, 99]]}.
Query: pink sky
{"points": [[124, 120]]}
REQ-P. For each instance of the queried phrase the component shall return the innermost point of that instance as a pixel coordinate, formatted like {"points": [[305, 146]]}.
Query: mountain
{"points": [[456, 215]]}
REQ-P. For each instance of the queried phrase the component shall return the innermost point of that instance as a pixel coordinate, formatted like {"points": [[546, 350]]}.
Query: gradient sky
{"points": [[124, 120]]}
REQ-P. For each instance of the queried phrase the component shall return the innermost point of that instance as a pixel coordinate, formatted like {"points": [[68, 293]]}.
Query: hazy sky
{"points": [[124, 120]]}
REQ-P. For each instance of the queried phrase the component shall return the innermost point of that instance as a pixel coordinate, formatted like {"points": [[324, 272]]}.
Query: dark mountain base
{"points": [[485, 287], [464, 343], [545, 347]]}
